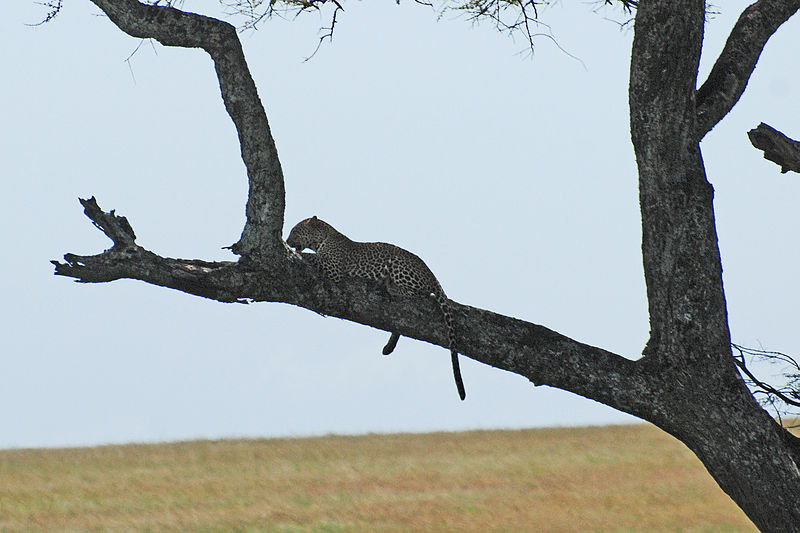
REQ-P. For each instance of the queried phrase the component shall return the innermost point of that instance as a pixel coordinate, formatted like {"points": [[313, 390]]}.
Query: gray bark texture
{"points": [[686, 382]]}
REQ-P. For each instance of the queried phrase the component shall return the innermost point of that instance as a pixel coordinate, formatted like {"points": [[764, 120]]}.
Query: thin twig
{"points": [[329, 34], [788, 395], [55, 9]]}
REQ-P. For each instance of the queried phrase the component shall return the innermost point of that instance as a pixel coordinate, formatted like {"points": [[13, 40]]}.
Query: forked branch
{"points": [[126, 259]]}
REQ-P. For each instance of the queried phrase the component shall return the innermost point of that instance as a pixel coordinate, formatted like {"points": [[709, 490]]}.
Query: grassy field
{"points": [[618, 478]]}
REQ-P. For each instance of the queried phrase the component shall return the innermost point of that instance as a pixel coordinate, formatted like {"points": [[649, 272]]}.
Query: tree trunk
{"points": [[707, 404]]}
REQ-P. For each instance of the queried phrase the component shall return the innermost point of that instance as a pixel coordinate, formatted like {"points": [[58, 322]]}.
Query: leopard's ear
{"points": [[314, 217]]}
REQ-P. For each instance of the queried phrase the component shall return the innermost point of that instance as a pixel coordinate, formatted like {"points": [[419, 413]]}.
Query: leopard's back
{"points": [[406, 271]]}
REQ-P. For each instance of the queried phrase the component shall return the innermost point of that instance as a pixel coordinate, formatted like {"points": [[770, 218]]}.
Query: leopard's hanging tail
{"points": [[453, 358], [457, 374], [451, 338]]}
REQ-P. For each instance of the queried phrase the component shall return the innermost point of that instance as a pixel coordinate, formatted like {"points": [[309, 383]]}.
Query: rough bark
{"points": [[776, 146], [686, 383]]}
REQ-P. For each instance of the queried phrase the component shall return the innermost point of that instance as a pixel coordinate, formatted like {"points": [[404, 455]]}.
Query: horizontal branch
{"points": [[265, 206], [776, 146], [535, 352], [728, 78]]}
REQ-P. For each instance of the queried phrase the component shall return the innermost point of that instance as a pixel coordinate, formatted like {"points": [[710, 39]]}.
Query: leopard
{"points": [[400, 271]]}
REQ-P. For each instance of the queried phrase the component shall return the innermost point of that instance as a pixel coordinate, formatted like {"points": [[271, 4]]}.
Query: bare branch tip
{"points": [[54, 9], [116, 228], [777, 147]]}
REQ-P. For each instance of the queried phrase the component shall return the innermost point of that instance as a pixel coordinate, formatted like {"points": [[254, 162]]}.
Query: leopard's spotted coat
{"points": [[403, 272]]}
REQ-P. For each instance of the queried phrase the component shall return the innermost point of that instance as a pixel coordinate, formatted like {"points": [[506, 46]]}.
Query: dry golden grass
{"points": [[618, 478]]}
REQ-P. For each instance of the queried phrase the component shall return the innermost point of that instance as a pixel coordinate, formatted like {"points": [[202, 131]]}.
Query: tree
{"points": [[687, 381]]}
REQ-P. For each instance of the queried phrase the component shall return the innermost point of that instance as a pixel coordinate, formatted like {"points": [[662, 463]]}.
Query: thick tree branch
{"points": [[535, 352], [776, 146], [261, 237], [728, 78]]}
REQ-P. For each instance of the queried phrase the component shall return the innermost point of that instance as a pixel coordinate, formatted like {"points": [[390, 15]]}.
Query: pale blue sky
{"points": [[512, 177]]}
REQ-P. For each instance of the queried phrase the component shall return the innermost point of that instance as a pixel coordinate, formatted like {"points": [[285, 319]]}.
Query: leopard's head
{"points": [[309, 233]]}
